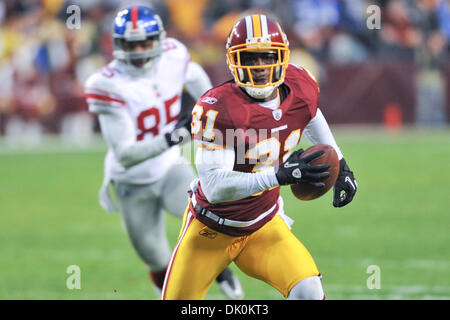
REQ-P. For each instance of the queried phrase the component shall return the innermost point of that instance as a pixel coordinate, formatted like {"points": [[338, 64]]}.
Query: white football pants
{"points": [[142, 210]]}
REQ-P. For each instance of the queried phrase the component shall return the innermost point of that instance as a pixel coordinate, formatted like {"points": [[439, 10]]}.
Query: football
{"points": [[305, 191]]}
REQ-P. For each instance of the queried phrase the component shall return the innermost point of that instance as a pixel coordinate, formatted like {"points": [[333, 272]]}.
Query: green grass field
{"points": [[399, 221]]}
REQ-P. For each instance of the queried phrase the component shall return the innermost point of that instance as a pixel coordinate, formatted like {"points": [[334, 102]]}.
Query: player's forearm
{"points": [[120, 136], [135, 153], [221, 183], [318, 131], [224, 185]]}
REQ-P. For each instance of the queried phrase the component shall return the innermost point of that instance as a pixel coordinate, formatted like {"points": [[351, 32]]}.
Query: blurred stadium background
{"points": [[385, 93]]}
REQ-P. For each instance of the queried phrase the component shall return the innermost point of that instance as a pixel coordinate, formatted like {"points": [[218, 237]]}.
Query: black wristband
{"points": [[343, 165]]}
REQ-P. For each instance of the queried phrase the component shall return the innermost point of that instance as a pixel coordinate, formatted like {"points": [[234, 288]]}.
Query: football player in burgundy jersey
{"points": [[137, 98], [246, 130]]}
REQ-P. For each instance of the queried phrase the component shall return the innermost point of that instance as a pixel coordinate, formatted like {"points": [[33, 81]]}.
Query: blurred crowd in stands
{"points": [[44, 63]]}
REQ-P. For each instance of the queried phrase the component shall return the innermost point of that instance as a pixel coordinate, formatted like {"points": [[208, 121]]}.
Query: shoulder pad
{"points": [[102, 91], [304, 85], [174, 49], [216, 95], [304, 72], [211, 119]]}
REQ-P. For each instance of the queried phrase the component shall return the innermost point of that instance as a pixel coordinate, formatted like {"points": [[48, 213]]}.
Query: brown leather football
{"points": [[305, 191]]}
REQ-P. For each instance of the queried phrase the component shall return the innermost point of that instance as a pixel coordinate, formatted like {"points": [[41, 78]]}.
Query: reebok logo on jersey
{"points": [[209, 100]]}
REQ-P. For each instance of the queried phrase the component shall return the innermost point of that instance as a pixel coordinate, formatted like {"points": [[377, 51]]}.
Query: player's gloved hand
{"points": [[295, 170], [182, 131], [345, 186]]}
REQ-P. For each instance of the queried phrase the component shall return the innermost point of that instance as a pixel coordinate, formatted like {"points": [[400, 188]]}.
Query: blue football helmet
{"points": [[133, 25]]}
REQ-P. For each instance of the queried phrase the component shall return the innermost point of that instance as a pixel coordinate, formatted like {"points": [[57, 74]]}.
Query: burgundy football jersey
{"points": [[226, 116]]}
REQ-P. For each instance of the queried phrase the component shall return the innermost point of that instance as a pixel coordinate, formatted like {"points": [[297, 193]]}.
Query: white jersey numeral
{"points": [[291, 142], [208, 132], [196, 125], [265, 153]]}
